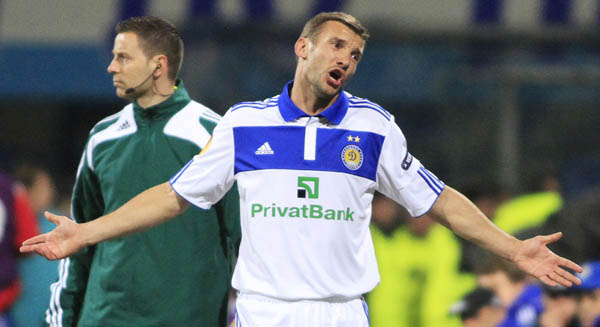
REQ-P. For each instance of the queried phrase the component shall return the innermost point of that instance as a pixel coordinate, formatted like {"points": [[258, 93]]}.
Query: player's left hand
{"points": [[534, 257]]}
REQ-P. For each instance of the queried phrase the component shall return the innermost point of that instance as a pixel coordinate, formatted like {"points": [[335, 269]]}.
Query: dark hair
{"points": [[313, 26], [157, 36], [27, 172], [469, 306], [492, 263]]}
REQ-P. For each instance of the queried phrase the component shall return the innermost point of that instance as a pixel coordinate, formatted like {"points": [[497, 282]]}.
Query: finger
{"points": [[548, 281], [50, 255], [44, 251], [27, 248], [570, 264], [559, 279], [36, 239], [567, 275], [52, 217], [551, 238]]}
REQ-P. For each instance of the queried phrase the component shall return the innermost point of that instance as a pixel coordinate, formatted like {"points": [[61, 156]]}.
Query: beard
{"points": [[323, 92]]}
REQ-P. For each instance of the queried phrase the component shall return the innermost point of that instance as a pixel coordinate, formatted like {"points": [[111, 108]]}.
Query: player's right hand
{"points": [[59, 243]]}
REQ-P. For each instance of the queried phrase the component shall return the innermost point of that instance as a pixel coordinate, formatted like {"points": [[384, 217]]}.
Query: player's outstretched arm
{"points": [[456, 212], [151, 207]]}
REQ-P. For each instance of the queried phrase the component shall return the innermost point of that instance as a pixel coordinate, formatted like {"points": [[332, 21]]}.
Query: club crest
{"points": [[352, 157]]}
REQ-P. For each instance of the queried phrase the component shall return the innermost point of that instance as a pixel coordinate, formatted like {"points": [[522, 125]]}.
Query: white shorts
{"points": [[259, 311]]}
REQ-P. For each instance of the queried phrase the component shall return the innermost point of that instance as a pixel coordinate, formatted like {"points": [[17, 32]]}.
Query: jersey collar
{"points": [[172, 104], [290, 112]]}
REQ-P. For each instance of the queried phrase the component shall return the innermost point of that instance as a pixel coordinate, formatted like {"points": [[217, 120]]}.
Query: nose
{"points": [[112, 68], [344, 60]]}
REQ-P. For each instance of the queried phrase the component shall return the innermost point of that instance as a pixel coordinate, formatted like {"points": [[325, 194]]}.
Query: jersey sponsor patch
{"points": [[408, 159], [352, 157], [308, 186]]}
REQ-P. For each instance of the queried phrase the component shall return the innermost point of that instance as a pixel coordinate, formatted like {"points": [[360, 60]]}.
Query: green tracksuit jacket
{"points": [[174, 274]]}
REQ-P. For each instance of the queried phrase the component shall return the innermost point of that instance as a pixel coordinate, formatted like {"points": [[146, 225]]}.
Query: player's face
{"points": [[498, 282], [129, 66], [589, 308], [489, 316], [333, 55]]}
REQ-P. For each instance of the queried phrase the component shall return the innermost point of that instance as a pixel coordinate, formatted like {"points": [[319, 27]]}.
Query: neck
{"points": [[305, 97], [159, 92]]}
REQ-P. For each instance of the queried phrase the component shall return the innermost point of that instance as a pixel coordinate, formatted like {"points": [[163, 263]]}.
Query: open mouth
{"points": [[336, 76]]}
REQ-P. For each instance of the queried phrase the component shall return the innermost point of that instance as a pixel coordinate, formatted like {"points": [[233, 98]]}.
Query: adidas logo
{"points": [[265, 149], [123, 126]]}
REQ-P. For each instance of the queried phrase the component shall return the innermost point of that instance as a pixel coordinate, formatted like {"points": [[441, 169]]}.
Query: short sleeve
{"points": [[206, 178], [403, 178]]}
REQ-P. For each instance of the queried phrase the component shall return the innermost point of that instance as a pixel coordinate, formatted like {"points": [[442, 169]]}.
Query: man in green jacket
{"points": [[176, 274]]}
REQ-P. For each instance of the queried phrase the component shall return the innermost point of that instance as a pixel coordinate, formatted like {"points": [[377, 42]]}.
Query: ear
{"points": [[162, 65], [301, 47]]}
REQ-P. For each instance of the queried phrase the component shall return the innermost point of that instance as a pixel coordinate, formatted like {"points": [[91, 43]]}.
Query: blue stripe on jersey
{"points": [[176, 176], [434, 178], [366, 309], [434, 183], [255, 106], [271, 102], [287, 144], [437, 182], [362, 103], [370, 107]]}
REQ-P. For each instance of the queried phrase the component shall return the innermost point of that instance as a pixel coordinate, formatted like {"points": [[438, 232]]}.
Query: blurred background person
{"points": [[37, 274], [417, 259], [578, 219], [517, 292], [588, 311], [39, 185], [479, 308], [17, 223], [540, 199], [560, 307]]}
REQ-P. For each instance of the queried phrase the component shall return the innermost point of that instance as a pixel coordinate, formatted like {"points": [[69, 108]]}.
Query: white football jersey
{"points": [[306, 186]]}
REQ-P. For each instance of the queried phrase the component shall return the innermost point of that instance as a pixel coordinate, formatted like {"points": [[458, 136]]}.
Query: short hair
{"points": [[27, 172], [157, 36], [312, 28], [470, 305]]}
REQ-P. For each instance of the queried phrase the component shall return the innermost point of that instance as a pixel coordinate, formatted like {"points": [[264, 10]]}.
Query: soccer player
{"points": [[588, 311], [17, 223], [147, 279], [307, 163]]}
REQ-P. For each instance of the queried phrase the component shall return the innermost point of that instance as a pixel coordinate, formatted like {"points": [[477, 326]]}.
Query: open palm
{"points": [[59, 243], [535, 258]]}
